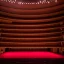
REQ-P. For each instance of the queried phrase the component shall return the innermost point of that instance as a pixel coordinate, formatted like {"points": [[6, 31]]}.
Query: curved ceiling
{"points": [[30, 5]]}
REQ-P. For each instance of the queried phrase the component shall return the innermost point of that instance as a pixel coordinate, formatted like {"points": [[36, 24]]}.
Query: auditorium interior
{"points": [[31, 31]]}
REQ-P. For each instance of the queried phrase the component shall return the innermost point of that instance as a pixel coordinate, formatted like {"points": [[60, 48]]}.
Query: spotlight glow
{"points": [[21, 2]]}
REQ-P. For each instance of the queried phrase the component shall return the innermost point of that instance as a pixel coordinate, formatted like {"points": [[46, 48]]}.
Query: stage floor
{"points": [[31, 58]]}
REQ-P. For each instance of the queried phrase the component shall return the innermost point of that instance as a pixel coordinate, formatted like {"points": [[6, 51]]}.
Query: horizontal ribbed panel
{"points": [[41, 27], [31, 44], [32, 12]]}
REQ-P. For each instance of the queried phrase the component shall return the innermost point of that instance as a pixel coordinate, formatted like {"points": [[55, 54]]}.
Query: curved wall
{"points": [[31, 25]]}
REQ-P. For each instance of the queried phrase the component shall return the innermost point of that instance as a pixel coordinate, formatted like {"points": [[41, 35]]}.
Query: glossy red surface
{"points": [[30, 55]]}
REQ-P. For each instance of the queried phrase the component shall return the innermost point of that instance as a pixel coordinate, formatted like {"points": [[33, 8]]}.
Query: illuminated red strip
{"points": [[30, 55]]}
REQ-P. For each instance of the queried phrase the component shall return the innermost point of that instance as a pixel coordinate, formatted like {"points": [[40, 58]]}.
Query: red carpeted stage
{"points": [[30, 55]]}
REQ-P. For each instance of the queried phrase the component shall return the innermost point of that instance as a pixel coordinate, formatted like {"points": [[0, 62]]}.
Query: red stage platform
{"points": [[30, 55]]}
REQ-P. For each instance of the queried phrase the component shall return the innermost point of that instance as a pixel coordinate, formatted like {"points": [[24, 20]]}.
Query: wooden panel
{"points": [[50, 15], [31, 30], [31, 27], [33, 12], [31, 35], [18, 26], [8, 20], [31, 44], [30, 39]]}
